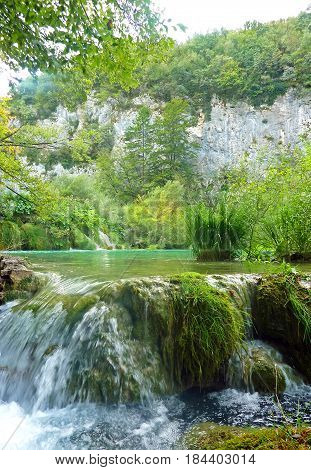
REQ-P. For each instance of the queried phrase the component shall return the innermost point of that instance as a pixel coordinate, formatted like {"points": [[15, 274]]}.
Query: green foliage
{"points": [[220, 437], [272, 195], [91, 141], [155, 152], [158, 218], [205, 328], [10, 236], [215, 232], [255, 64], [115, 38], [174, 151], [285, 291], [35, 237]]}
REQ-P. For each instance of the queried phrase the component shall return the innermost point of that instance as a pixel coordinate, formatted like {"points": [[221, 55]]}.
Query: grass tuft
{"points": [[205, 328]]}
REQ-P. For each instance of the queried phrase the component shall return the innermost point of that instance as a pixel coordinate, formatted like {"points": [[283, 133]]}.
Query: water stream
{"points": [[72, 380]]}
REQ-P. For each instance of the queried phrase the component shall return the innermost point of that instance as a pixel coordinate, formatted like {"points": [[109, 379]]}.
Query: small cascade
{"points": [[105, 241], [67, 345], [259, 367]]}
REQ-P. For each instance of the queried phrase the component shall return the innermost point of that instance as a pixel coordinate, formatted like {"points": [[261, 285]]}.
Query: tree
{"points": [[175, 151], [139, 147], [115, 35]]}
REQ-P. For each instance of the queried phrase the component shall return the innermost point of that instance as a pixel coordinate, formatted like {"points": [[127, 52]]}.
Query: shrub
{"points": [[214, 233], [10, 236], [35, 237]]}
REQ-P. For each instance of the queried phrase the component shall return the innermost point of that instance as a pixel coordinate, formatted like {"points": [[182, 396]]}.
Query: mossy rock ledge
{"points": [[282, 316], [194, 327], [17, 279], [212, 436]]}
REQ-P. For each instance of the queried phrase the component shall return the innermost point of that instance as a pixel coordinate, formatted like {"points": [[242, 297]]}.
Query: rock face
{"points": [[16, 279], [231, 130], [281, 315], [235, 129]]}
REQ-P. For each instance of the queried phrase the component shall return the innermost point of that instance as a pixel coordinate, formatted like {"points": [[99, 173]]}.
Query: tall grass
{"points": [[205, 329], [215, 232]]}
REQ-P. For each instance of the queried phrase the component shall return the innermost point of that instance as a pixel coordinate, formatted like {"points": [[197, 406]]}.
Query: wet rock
{"points": [[282, 315], [266, 375], [16, 278]]}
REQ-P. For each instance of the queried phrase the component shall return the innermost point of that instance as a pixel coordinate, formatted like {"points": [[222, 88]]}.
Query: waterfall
{"points": [[82, 341], [67, 345], [241, 369]]}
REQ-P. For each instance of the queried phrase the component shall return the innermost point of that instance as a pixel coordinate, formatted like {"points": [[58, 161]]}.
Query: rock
{"points": [[225, 135], [282, 315], [16, 278], [266, 376]]}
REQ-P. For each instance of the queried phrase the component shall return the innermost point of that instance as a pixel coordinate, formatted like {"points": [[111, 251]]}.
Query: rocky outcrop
{"points": [[225, 135], [234, 129], [16, 278]]}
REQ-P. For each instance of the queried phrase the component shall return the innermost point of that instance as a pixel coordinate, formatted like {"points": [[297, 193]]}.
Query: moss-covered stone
{"points": [[212, 436], [282, 314], [266, 376], [194, 327], [17, 280], [80, 241], [76, 306]]}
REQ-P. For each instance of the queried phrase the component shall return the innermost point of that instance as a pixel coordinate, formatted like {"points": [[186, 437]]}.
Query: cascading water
{"points": [[62, 348], [72, 375]]}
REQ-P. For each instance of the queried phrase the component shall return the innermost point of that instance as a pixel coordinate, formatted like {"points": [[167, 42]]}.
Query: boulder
{"points": [[16, 278], [281, 315]]}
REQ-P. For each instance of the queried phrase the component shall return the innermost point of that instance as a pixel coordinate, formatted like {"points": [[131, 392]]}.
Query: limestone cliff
{"points": [[229, 131]]}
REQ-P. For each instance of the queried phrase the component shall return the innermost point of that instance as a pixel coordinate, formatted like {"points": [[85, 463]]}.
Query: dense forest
{"points": [[148, 192]]}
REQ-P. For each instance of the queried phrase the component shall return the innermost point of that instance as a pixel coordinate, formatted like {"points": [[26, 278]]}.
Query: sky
{"points": [[201, 16]]}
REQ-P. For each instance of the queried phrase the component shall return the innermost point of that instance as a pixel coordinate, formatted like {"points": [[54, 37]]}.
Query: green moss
{"points": [[205, 328], [266, 376], [210, 436], [50, 350], [282, 314], [10, 236], [81, 242], [77, 305], [35, 237], [284, 291]]}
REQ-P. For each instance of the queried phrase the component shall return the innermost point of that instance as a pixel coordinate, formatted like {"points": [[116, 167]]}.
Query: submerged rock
{"points": [[266, 375], [257, 367]]}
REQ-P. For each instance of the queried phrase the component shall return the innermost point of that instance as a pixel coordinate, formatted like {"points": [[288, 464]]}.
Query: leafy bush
{"points": [[35, 237], [10, 236]]}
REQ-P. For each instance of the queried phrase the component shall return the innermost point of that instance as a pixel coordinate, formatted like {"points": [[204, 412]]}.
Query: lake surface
{"points": [[103, 265]]}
